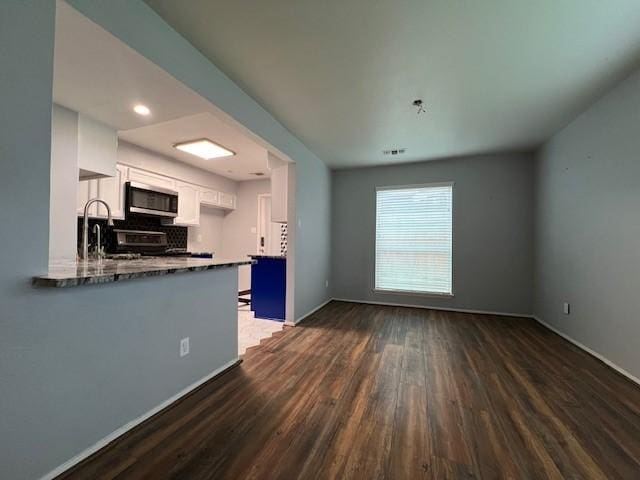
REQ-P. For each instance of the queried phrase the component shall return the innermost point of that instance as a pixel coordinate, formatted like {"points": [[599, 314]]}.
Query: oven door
{"points": [[139, 241], [149, 200]]}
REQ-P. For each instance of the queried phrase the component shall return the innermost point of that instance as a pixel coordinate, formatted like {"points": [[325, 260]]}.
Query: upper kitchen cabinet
{"points": [[188, 204], [226, 200], [152, 179], [97, 148], [212, 198], [279, 188], [112, 190], [109, 189], [209, 197]]}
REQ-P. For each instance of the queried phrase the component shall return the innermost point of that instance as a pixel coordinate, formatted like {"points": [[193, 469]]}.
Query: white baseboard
{"points": [[308, 313], [133, 423], [591, 352], [429, 307]]}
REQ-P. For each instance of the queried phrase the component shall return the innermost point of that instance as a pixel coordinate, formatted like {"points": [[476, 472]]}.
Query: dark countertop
{"points": [[74, 273], [258, 257]]}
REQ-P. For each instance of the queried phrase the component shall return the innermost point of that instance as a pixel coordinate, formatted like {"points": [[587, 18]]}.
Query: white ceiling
{"points": [[97, 74], [249, 157], [495, 75]]}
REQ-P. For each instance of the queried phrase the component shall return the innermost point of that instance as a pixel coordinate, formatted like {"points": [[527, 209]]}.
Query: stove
{"points": [[144, 243]]}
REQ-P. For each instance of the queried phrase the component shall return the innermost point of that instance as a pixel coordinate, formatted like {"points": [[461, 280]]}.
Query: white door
{"points": [[268, 231]]}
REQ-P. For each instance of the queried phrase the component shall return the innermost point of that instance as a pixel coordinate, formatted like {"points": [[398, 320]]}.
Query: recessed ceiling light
{"points": [[142, 110], [204, 148]]}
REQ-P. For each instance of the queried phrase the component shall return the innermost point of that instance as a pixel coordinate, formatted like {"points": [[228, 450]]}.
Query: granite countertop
{"points": [[74, 273], [258, 257]]}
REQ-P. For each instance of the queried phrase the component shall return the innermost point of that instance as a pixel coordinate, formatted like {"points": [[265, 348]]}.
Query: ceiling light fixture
{"points": [[142, 110], [204, 148]]}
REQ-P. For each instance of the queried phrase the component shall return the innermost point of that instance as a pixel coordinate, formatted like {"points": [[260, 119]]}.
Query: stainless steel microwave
{"points": [[149, 200]]}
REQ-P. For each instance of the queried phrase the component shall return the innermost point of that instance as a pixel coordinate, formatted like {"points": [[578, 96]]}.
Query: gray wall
{"points": [[76, 364], [492, 222], [587, 239]]}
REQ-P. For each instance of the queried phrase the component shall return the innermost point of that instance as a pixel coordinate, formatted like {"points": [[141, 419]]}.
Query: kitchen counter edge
{"points": [[74, 274]]}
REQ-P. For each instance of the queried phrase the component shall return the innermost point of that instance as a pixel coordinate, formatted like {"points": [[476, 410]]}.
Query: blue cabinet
{"points": [[268, 287]]}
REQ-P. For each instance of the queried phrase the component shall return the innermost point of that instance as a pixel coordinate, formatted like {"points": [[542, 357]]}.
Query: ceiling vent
{"points": [[395, 151]]}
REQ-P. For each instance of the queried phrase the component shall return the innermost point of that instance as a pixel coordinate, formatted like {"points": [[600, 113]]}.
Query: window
{"points": [[414, 239]]}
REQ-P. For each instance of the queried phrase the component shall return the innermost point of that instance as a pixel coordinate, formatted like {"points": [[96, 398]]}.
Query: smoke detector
{"points": [[419, 106], [394, 151]]}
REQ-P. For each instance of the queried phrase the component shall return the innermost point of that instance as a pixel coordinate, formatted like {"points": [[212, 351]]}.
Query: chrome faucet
{"points": [[85, 225], [97, 252]]}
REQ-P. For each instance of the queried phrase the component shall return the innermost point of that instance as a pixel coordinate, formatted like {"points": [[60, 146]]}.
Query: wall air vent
{"points": [[395, 151]]}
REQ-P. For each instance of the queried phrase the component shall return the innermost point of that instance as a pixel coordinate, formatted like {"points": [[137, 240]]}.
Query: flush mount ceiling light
{"points": [[204, 148], [142, 110]]}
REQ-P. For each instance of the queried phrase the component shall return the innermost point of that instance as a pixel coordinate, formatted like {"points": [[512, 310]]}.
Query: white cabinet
{"points": [[213, 198], [188, 204], [209, 197], [226, 200], [279, 188], [111, 190], [152, 179], [87, 189]]}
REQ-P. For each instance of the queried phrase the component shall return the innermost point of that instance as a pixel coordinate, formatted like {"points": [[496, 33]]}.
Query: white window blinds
{"points": [[414, 239]]}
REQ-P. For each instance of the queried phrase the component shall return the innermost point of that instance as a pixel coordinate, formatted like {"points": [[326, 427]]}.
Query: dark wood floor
{"points": [[369, 392]]}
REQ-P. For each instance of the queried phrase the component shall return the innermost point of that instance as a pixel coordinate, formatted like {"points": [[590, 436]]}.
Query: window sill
{"points": [[413, 293]]}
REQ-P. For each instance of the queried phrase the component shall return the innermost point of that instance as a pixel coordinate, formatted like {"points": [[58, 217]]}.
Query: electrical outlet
{"points": [[184, 347], [566, 308]]}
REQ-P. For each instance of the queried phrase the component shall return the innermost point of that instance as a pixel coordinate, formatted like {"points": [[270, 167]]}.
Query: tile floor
{"points": [[251, 330]]}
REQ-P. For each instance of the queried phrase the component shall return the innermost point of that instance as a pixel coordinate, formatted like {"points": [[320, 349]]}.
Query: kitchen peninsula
{"points": [[80, 272]]}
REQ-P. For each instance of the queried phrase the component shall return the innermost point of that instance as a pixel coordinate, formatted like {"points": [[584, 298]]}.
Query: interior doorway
{"points": [[268, 241]]}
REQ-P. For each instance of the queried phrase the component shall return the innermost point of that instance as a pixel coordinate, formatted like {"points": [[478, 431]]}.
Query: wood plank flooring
{"points": [[371, 392]]}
